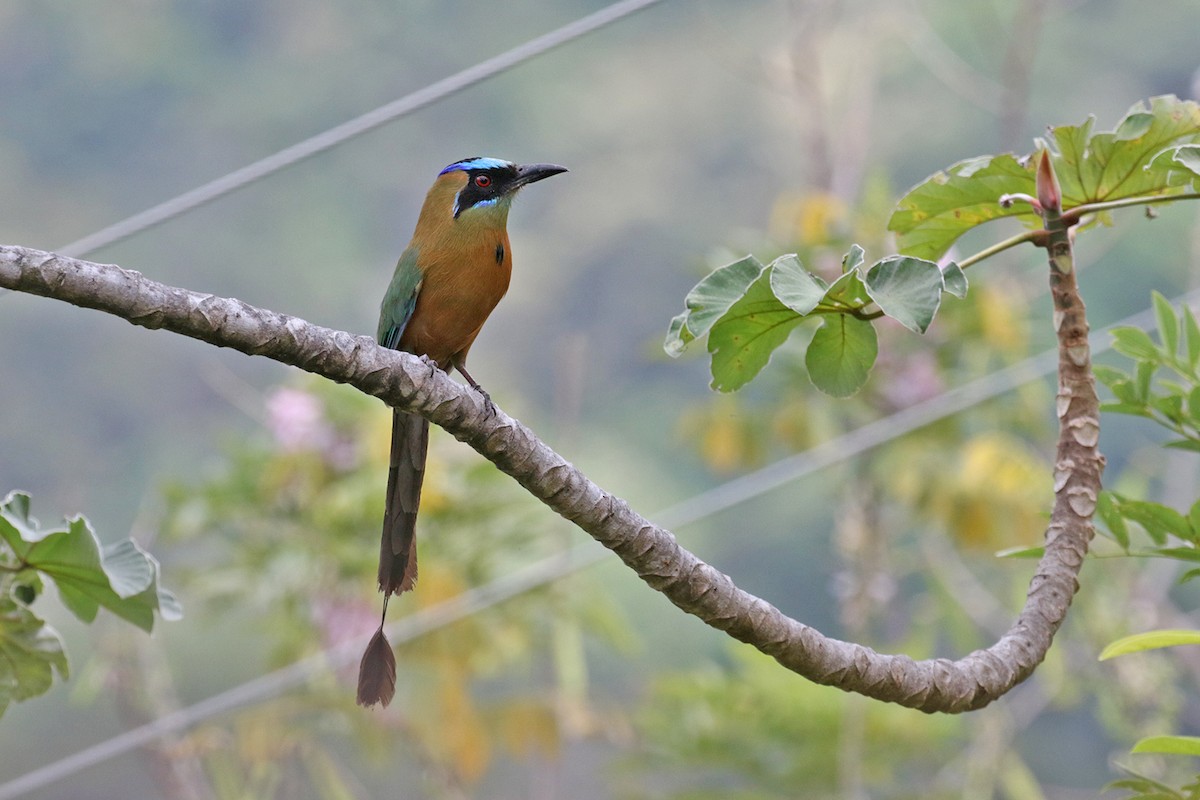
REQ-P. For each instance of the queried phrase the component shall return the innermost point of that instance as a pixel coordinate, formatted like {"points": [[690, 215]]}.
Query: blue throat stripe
{"points": [[491, 201], [475, 163]]}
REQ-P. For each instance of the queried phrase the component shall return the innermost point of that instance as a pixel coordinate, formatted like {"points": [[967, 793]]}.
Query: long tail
{"points": [[397, 550]]}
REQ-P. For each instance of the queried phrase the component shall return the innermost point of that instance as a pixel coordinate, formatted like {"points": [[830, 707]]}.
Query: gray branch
{"points": [[403, 381]]}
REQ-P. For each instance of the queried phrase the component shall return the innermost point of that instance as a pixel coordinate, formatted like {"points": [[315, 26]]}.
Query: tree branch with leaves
{"points": [[747, 310]]}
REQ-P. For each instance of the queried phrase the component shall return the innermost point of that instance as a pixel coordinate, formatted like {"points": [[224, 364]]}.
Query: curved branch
{"points": [[938, 685]]}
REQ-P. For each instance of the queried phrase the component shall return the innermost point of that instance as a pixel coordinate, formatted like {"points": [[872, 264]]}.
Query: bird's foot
{"points": [[487, 398], [429, 362], [487, 401]]}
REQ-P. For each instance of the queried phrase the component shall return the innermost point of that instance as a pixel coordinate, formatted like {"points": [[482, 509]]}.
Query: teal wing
{"points": [[400, 300]]}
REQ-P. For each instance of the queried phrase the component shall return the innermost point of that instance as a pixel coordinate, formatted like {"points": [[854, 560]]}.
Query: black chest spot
{"points": [[499, 252]]}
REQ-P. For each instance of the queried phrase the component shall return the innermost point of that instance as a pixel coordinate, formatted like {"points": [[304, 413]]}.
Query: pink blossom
{"points": [[297, 421]]}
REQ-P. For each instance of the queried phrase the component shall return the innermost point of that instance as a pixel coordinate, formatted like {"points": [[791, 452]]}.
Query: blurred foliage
{"points": [[707, 109], [1142, 787], [948, 471], [749, 730], [991, 493], [987, 490], [1163, 386], [1172, 402], [282, 537], [978, 482]]}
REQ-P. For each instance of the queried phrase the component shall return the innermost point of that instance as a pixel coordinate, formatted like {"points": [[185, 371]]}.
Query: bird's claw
{"points": [[429, 362], [488, 405]]}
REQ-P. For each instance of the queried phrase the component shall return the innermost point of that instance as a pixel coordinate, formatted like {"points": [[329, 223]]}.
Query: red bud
{"points": [[1049, 193]]}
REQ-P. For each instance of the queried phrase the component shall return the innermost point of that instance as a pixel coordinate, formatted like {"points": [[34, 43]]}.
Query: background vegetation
{"points": [[694, 133]]}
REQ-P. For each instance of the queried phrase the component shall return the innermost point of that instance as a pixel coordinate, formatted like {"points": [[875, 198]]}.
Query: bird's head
{"points": [[490, 183]]}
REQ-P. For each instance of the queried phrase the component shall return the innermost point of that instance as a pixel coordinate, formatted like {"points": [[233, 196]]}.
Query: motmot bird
{"points": [[449, 278]]}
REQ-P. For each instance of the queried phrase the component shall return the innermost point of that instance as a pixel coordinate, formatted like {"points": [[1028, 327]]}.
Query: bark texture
{"points": [[403, 381]]}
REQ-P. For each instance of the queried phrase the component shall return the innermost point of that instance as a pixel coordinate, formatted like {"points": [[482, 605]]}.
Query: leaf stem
{"points": [[1073, 216], [858, 312], [1036, 237]]}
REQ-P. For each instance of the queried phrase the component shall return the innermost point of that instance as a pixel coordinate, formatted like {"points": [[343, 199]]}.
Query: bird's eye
{"points": [[483, 181]]}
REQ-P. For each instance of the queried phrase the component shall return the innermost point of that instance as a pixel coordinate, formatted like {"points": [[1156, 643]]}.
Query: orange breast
{"points": [[461, 286]]}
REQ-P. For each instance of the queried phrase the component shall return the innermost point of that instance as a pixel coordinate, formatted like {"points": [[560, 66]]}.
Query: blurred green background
{"points": [[694, 132]]}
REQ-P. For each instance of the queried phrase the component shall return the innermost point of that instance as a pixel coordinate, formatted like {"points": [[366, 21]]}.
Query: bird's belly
{"points": [[448, 317]]}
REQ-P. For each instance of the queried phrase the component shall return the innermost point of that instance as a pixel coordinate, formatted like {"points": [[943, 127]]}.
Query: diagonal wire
{"points": [[352, 128], [551, 569], [554, 568], [548, 570]]}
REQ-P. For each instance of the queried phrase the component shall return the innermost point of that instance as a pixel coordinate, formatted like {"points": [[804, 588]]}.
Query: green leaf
{"points": [[909, 290], [85, 582], [169, 607], [15, 522], [129, 568], [1190, 445], [934, 213], [1135, 409], [1168, 323], [1091, 167], [742, 340], [1143, 789], [1102, 166], [1143, 374], [1194, 517], [1134, 126], [1022, 552], [30, 653], [841, 354], [1186, 156], [1126, 392], [847, 292], [1135, 343], [27, 586], [1109, 375], [1152, 640], [854, 258], [1139, 782], [1170, 406], [1191, 335], [1174, 745], [709, 300], [121, 577], [678, 335], [954, 279], [796, 287], [1107, 512], [1178, 553], [133, 575], [1158, 520]]}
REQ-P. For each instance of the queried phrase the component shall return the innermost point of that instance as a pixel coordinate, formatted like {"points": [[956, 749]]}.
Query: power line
{"points": [[274, 683], [578, 558], [352, 128], [549, 570], [407, 628], [881, 431]]}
